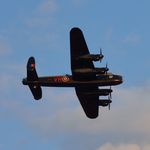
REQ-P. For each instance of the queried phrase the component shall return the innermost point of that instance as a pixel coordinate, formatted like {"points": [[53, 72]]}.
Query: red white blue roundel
{"points": [[65, 79]]}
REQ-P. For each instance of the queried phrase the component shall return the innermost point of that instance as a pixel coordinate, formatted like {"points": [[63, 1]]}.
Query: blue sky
{"points": [[41, 29]]}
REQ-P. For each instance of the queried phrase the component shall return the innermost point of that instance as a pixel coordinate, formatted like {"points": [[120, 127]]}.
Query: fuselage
{"points": [[68, 81]]}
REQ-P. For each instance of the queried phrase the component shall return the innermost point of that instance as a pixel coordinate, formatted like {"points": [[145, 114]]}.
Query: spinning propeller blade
{"points": [[106, 68], [109, 106], [101, 55]]}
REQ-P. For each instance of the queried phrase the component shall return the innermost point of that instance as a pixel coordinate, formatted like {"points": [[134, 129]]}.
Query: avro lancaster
{"points": [[88, 81]]}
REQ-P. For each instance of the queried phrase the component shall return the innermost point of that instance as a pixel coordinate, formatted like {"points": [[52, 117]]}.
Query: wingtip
{"points": [[32, 59], [92, 114], [92, 117], [75, 29]]}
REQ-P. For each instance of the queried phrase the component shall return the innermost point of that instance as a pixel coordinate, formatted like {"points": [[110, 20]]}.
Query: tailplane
{"points": [[32, 79]]}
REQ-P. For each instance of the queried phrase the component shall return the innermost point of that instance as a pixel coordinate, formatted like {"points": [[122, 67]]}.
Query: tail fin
{"points": [[32, 77]]}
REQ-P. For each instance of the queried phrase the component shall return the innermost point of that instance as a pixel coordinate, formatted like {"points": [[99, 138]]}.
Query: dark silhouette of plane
{"points": [[85, 77]]}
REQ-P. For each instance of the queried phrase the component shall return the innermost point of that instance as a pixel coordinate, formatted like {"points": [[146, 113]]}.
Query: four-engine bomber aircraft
{"points": [[85, 77]]}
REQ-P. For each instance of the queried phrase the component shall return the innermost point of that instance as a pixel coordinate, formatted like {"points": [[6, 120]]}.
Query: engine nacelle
{"points": [[100, 92], [104, 92], [91, 71], [101, 70], [91, 57], [104, 102]]}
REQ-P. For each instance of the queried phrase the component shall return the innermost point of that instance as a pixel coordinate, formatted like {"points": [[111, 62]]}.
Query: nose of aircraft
{"points": [[120, 78]]}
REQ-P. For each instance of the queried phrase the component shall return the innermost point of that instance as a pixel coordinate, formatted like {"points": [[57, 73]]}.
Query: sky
{"points": [[40, 28]]}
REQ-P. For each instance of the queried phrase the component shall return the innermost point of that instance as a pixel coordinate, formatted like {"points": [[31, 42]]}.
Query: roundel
{"points": [[65, 79]]}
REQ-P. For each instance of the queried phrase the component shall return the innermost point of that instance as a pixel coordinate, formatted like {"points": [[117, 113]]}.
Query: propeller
{"points": [[110, 93], [101, 55], [109, 103], [109, 97], [101, 51], [106, 68], [109, 106]]}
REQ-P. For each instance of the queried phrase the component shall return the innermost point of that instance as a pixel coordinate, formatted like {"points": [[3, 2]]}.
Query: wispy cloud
{"points": [[109, 35], [41, 25], [109, 146], [132, 38], [55, 115], [79, 2], [48, 6], [42, 16], [5, 47], [129, 118]]}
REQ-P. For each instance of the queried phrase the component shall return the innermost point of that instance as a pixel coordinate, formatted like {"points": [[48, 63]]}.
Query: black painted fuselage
{"points": [[68, 81], [89, 81]]}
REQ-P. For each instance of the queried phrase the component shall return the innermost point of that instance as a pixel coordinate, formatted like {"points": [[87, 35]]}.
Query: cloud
{"points": [[48, 6], [78, 2], [10, 76], [109, 35], [42, 16], [132, 38], [109, 146], [59, 113], [42, 22], [129, 116], [127, 121], [5, 47]]}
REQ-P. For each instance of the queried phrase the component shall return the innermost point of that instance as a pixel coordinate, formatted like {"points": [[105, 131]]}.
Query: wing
{"points": [[79, 48], [90, 104]]}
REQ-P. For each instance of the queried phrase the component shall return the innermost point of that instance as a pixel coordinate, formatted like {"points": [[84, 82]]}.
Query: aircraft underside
{"points": [[87, 79], [67, 81]]}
